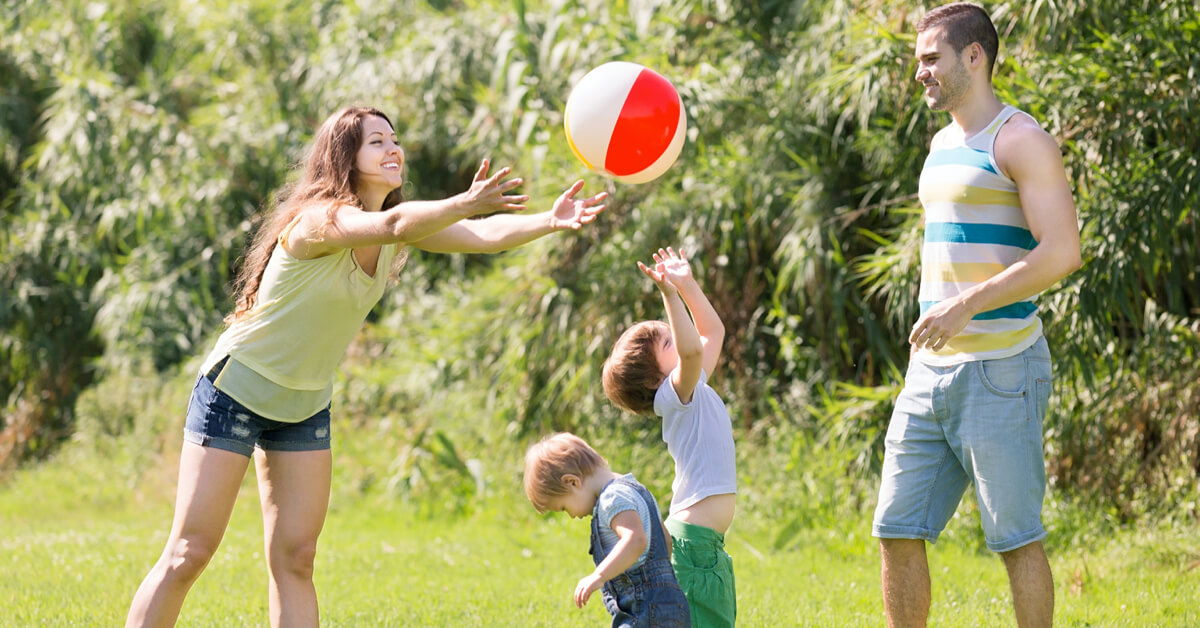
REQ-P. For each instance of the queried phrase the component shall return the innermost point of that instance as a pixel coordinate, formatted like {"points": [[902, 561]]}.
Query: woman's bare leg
{"points": [[209, 480], [293, 488]]}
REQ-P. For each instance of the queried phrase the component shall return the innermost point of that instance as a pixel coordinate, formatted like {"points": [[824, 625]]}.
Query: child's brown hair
{"points": [[548, 460], [631, 375]]}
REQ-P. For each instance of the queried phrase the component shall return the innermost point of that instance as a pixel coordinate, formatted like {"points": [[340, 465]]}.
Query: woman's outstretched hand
{"points": [[488, 195], [572, 213]]}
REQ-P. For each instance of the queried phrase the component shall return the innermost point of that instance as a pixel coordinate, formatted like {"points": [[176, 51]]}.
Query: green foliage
{"points": [[1118, 98], [139, 139]]}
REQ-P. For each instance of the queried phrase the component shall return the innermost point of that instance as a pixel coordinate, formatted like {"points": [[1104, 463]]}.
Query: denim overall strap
{"points": [[657, 559], [658, 541], [594, 547]]}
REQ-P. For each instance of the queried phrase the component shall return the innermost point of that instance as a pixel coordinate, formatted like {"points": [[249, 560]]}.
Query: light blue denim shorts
{"points": [[978, 422]]}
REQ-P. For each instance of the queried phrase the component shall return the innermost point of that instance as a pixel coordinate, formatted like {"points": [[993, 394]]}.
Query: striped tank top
{"points": [[974, 229]]}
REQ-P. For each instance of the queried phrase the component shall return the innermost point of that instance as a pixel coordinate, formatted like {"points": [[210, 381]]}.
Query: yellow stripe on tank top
{"points": [[967, 195], [995, 126], [982, 343], [960, 272]]}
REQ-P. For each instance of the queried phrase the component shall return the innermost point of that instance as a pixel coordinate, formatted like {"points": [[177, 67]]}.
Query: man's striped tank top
{"points": [[974, 229]]}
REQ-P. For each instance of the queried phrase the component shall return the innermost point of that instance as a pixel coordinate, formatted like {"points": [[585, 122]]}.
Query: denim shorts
{"points": [[214, 419], [978, 422]]}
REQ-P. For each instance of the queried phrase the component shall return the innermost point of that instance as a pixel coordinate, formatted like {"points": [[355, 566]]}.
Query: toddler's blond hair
{"points": [[548, 460]]}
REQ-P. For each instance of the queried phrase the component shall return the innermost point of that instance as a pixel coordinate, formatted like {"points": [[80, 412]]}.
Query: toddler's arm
{"points": [[628, 526], [685, 340]]}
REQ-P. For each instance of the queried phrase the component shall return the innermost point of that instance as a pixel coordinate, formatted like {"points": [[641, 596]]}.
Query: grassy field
{"points": [[78, 535]]}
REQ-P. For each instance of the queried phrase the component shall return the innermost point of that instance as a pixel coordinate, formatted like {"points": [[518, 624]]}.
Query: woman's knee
{"points": [[185, 558], [296, 559]]}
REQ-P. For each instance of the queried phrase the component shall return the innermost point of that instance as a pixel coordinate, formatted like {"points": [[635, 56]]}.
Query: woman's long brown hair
{"points": [[327, 176]]}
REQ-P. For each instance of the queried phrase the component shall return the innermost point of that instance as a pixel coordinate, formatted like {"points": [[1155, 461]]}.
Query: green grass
{"points": [[77, 539]]}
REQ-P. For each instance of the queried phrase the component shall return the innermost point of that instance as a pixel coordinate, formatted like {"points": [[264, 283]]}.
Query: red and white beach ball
{"points": [[625, 121]]}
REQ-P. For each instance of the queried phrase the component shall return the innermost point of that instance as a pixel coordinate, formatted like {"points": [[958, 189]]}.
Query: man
{"points": [[1000, 227]]}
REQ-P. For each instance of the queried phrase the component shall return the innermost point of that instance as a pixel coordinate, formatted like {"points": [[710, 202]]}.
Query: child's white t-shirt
{"points": [[699, 436], [615, 499]]}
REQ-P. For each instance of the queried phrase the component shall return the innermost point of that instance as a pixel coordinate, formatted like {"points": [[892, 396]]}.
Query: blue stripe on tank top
{"points": [[961, 156], [974, 233], [1020, 309]]}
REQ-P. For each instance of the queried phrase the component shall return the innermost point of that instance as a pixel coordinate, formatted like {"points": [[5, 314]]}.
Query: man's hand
{"points": [[939, 324]]}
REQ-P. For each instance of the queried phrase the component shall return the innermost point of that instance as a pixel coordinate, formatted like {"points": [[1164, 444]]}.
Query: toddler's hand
{"points": [[586, 587]]}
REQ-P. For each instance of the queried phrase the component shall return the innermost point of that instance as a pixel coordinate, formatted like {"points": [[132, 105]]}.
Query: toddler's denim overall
{"points": [[646, 596]]}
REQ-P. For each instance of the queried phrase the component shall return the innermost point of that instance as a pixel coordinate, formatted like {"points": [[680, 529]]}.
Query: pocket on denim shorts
{"points": [[1042, 373], [1006, 377]]}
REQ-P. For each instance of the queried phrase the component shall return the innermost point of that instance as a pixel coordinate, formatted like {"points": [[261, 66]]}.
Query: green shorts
{"points": [[705, 573]]}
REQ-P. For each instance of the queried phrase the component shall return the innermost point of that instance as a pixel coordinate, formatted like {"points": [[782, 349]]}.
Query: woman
{"points": [[316, 267]]}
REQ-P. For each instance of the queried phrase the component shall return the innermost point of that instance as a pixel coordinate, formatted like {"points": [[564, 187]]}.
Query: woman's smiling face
{"points": [[380, 160]]}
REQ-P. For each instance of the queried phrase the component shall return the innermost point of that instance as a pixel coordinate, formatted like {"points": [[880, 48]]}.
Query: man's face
{"points": [[941, 71]]}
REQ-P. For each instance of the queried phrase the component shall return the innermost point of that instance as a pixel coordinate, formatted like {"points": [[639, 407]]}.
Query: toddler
{"points": [[629, 542]]}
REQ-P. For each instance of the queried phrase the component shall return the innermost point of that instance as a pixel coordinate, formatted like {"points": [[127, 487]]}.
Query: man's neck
{"points": [[976, 113]]}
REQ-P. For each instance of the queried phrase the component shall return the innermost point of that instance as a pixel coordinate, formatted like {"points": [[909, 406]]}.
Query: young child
{"points": [[629, 542], [664, 368]]}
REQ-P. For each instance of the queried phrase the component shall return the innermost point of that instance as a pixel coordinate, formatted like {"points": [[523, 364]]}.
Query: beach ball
{"points": [[625, 121]]}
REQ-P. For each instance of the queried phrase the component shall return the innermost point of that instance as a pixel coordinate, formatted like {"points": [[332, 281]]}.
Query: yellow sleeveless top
{"points": [[283, 353]]}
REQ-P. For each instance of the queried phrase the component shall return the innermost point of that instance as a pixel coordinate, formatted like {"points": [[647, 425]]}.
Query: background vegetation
{"points": [[138, 139]]}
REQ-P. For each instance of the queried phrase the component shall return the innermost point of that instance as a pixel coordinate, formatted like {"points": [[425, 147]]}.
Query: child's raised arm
{"points": [[628, 526], [685, 341], [698, 336], [708, 322]]}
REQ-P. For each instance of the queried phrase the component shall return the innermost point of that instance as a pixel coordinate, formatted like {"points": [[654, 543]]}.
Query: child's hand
{"points": [[673, 266], [586, 587], [571, 213], [657, 275], [670, 271]]}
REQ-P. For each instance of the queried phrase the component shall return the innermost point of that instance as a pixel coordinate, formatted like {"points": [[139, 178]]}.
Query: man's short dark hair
{"points": [[964, 24]]}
